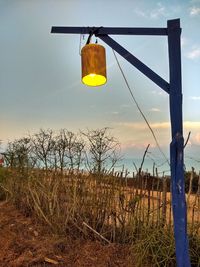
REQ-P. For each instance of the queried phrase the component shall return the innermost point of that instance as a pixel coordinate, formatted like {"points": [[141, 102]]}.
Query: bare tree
{"points": [[43, 147], [103, 150], [69, 149], [18, 154]]}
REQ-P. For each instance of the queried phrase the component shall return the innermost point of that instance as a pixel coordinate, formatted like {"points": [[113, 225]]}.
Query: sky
{"points": [[40, 72]]}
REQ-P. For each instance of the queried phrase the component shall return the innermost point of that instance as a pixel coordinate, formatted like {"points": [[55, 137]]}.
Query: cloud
{"points": [[197, 138], [184, 41], [115, 112], [194, 53], [192, 124], [194, 139], [140, 13], [158, 125], [194, 1], [142, 125], [160, 93], [130, 144], [195, 97], [125, 106], [155, 109], [194, 11], [159, 11], [136, 135]]}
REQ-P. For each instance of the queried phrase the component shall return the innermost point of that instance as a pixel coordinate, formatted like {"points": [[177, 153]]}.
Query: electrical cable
{"points": [[80, 42], [138, 107], [89, 37]]}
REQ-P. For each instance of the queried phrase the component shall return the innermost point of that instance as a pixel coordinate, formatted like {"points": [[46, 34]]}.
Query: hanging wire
{"points": [[89, 37], [82, 36], [138, 107]]}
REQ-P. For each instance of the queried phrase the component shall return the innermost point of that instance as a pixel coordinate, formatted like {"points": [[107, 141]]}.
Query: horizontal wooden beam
{"points": [[108, 30]]}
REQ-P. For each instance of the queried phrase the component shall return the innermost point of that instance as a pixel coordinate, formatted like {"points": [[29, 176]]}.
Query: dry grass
{"points": [[115, 212]]}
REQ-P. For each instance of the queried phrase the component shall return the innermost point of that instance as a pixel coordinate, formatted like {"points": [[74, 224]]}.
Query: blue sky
{"points": [[40, 73]]}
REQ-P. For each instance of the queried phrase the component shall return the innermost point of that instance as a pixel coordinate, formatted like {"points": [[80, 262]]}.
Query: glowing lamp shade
{"points": [[93, 59]]}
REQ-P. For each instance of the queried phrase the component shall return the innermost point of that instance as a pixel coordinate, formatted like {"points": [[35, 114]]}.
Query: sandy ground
{"points": [[25, 243]]}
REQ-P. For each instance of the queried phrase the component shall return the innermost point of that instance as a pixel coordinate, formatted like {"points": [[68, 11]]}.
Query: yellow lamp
{"points": [[93, 59]]}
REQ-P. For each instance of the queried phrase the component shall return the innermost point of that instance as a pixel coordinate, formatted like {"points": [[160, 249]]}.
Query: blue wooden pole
{"points": [[177, 146]]}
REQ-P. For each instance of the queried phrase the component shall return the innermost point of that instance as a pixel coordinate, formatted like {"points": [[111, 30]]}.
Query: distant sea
{"points": [[161, 165]]}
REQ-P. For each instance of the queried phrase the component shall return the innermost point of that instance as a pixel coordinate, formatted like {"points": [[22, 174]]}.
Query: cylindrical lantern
{"points": [[93, 57]]}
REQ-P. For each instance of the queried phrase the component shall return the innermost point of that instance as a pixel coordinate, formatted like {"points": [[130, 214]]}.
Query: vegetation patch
{"points": [[44, 180]]}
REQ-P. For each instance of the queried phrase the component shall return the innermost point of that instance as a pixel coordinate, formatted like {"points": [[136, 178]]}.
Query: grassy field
{"points": [[104, 208]]}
